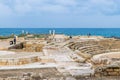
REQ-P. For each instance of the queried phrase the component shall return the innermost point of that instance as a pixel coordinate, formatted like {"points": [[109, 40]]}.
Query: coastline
{"points": [[106, 32]]}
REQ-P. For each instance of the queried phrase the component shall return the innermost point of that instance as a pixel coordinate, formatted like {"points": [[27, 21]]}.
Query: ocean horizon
{"points": [[106, 32]]}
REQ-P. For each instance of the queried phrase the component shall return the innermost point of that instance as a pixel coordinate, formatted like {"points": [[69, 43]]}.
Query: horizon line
{"points": [[59, 27]]}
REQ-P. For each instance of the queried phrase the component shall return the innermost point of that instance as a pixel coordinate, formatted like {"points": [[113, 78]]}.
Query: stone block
{"points": [[113, 73], [117, 70], [109, 70]]}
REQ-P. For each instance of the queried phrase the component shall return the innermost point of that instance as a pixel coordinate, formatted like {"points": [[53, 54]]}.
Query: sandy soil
{"points": [[4, 44]]}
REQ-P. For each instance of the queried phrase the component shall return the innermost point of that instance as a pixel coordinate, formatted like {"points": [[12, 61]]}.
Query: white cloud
{"points": [[66, 2], [53, 9], [105, 7], [81, 7], [22, 9], [5, 10], [53, 6]]}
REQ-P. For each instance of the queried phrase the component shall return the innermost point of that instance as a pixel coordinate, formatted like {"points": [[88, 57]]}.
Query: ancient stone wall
{"points": [[33, 47], [16, 46], [108, 71], [19, 61]]}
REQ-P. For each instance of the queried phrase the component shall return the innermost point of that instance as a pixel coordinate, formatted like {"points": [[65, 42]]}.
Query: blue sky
{"points": [[60, 13]]}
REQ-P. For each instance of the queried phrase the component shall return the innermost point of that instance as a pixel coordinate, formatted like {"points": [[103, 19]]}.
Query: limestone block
{"points": [[117, 70], [113, 73], [47, 60], [34, 59], [26, 45], [109, 70]]}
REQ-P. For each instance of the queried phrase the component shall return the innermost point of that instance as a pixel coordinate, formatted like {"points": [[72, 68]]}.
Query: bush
{"points": [[22, 35]]}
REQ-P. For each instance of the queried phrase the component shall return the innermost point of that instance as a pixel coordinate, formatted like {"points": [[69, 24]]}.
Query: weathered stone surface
{"points": [[109, 70], [33, 47], [20, 58], [16, 46]]}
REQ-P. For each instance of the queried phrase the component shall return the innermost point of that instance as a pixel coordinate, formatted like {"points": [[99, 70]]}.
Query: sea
{"points": [[106, 32]]}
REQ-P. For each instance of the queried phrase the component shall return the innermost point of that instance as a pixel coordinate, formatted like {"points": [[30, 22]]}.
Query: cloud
{"points": [[53, 9], [80, 7], [105, 7], [39, 6], [66, 2], [5, 10], [22, 9]]}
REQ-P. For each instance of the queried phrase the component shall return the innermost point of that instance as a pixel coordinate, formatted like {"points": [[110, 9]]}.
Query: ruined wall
{"points": [[16, 46], [19, 61], [24, 60], [33, 47], [108, 71], [112, 71]]}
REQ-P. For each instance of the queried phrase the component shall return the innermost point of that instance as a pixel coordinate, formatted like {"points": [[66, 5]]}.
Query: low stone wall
{"points": [[47, 60], [24, 58], [108, 71], [17, 46], [112, 72], [28, 46], [19, 61], [32, 47]]}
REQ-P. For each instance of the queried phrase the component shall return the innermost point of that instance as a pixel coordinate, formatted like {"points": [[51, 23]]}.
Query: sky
{"points": [[59, 13]]}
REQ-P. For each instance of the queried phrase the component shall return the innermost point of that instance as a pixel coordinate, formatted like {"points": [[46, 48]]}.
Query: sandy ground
{"points": [[4, 44]]}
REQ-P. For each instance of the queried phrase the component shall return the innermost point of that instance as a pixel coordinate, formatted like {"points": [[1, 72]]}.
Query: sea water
{"points": [[106, 32]]}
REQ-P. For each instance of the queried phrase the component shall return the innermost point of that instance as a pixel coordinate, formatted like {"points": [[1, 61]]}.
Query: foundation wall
{"points": [[109, 72], [19, 61], [22, 61]]}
